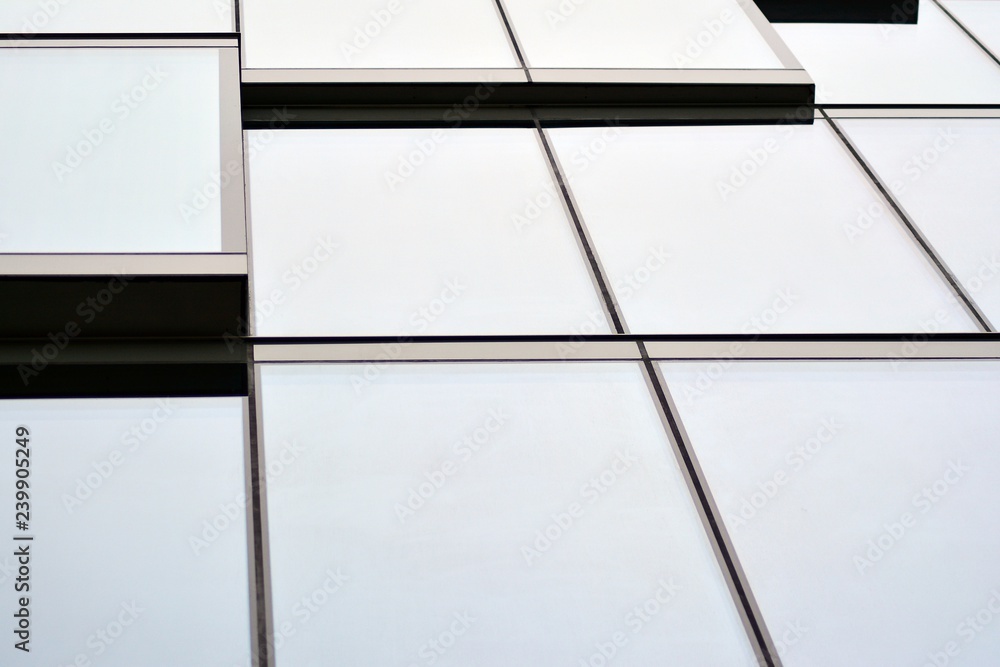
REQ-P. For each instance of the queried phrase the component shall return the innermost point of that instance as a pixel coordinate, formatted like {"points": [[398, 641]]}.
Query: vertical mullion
{"points": [[943, 269], [739, 587], [968, 32], [512, 36], [598, 273], [260, 572]]}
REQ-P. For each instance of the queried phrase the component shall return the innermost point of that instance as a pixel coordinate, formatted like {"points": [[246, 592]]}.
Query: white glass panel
{"points": [[137, 512], [752, 229], [981, 17], [862, 502], [29, 17], [110, 150], [375, 33], [945, 174], [411, 232], [671, 34], [484, 515], [933, 62]]}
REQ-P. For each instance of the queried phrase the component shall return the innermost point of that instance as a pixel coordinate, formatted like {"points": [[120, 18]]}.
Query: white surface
{"points": [[783, 252], [944, 173], [876, 434], [335, 507], [932, 62], [671, 34], [177, 463], [981, 17], [106, 148], [343, 245], [29, 17], [374, 34]]}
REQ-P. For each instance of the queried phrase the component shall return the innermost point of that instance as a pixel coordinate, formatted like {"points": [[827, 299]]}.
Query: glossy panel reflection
{"points": [[315, 34], [932, 62], [945, 173], [107, 153], [136, 512], [981, 17], [412, 232], [861, 499], [30, 17], [644, 34], [748, 229], [484, 514]]}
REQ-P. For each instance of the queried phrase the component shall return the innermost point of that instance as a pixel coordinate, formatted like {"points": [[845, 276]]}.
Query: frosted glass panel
{"points": [[671, 34], [412, 232], [375, 33], [484, 515], [136, 507], [115, 150], [933, 62], [982, 17], [862, 502], [29, 17], [752, 229], [945, 173]]}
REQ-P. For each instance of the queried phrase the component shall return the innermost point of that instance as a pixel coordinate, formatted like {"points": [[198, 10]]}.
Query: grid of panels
{"points": [[510, 510]]}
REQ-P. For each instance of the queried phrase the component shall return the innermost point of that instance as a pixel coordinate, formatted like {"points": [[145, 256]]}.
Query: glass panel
{"points": [[110, 154], [982, 17], [477, 514], [375, 33], [945, 172], [412, 232], [139, 556], [861, 498], [669, 34], [933, 62], [29, 17], [748, 229]]}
